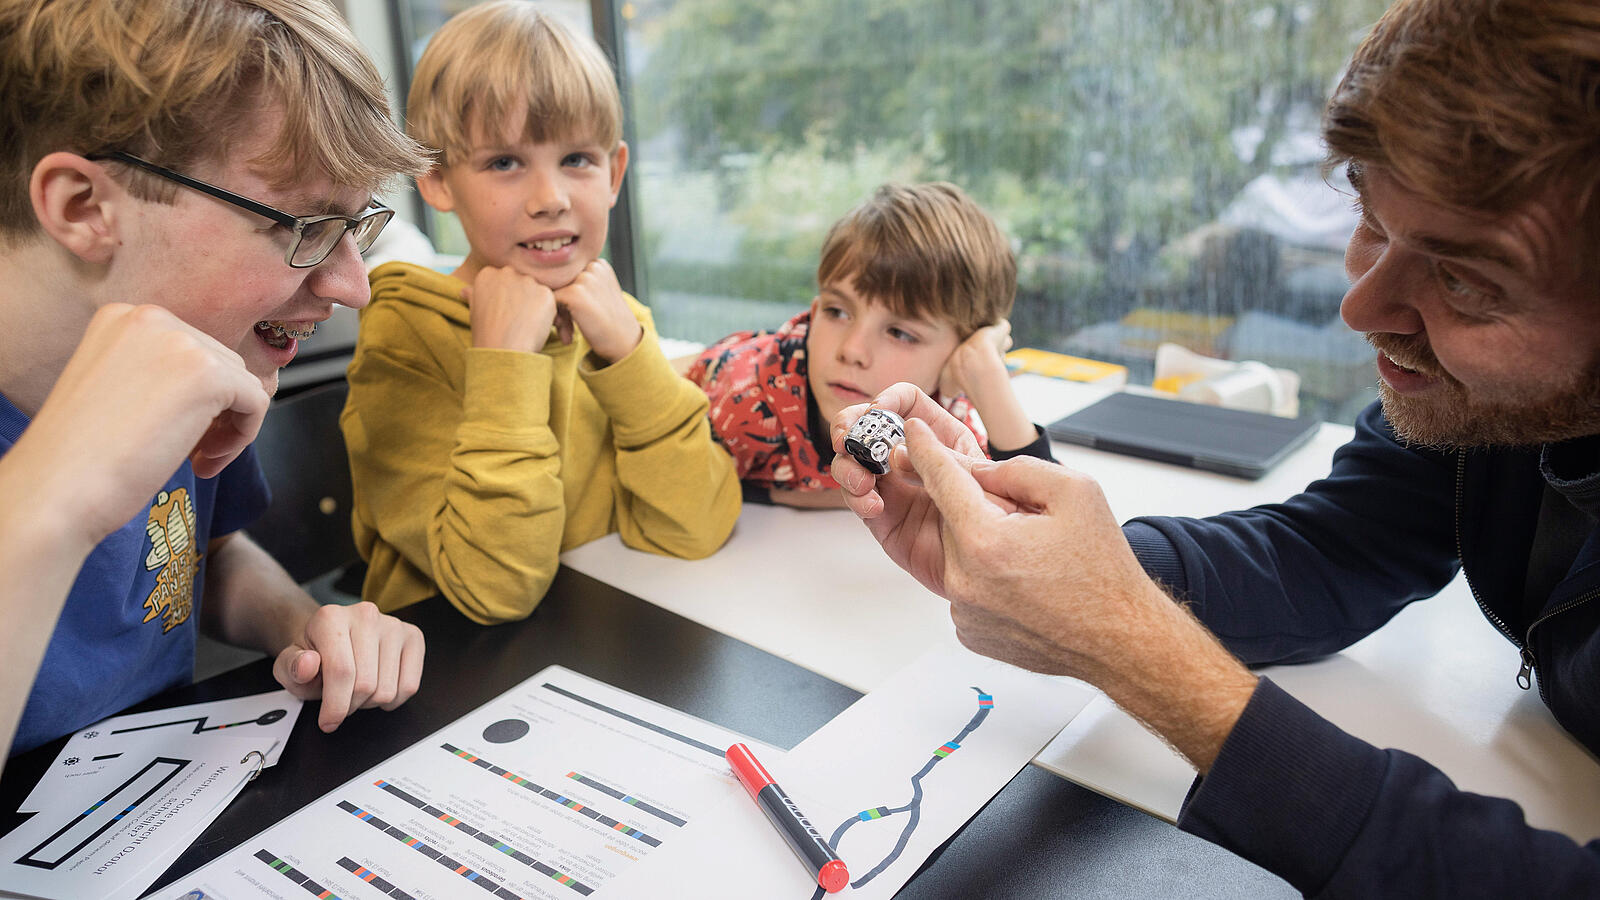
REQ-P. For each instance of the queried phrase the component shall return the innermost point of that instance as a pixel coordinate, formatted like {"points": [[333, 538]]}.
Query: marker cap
{"points": [[834, 876]]}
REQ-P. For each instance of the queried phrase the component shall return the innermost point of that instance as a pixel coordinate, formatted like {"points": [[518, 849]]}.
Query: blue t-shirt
{"points": [[127, 630]]}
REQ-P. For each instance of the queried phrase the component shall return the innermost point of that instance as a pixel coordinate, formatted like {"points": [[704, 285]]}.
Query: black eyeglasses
{"points": [[314, 236]]}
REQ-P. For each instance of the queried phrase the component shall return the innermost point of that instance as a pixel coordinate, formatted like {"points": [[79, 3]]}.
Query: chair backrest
{"points": [[307, 527]]}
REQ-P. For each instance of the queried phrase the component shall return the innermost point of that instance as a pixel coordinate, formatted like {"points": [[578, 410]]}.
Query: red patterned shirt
{"points": [[761, 409]]}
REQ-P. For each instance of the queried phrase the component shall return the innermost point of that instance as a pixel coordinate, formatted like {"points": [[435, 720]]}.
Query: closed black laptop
{"points": [[1231, 441]]}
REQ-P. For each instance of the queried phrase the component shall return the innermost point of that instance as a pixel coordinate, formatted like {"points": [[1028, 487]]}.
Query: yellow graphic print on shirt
{"points": [[171, 528]]}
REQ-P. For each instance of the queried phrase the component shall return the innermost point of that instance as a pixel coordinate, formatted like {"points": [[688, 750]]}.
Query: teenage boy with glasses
{"points": [[142, 326], [313, 237]]}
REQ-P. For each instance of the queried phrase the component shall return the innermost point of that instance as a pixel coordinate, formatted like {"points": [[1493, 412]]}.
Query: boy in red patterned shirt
{"points": [[914, 285]]}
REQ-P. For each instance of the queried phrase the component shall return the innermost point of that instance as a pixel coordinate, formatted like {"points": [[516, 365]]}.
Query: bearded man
{"points": [[1471, 133]]}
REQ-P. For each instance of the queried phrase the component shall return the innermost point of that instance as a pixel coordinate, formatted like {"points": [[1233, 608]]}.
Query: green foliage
{"points": [[781, 281], [1094, 131], [785, 203]]}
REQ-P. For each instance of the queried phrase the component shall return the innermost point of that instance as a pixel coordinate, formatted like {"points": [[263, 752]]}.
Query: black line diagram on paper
{"points": [[912, 808], [266, 718]]}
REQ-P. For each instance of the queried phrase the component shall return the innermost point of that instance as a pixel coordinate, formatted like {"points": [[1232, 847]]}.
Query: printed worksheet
{"points": [[266, 718], [110, 838], [548, 791], [886, 782]]}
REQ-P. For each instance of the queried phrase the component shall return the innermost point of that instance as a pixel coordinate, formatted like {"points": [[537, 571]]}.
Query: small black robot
{"points": [[873, 436]]}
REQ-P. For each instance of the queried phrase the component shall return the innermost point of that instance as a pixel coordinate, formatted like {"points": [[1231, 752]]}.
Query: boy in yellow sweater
{"points": [[521, 405]]}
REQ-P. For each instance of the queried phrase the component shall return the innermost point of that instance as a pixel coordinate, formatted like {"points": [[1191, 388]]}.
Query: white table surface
{"points": [[1438, 680]]}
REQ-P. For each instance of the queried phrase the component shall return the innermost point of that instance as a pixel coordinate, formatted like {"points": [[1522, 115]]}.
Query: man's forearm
{"points": [[1178, 680]]}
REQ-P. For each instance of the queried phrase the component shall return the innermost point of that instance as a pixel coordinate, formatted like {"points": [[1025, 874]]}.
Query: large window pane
{"points": [[1156, 162]]}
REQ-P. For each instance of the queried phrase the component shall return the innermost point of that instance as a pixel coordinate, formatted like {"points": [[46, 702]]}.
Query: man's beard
{"points": [[1452, 417]]}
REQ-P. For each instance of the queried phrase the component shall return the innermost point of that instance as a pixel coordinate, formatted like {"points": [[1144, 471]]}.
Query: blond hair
{"points": [[925, 251], [1478, 105], [491, 63], [178, 80]]}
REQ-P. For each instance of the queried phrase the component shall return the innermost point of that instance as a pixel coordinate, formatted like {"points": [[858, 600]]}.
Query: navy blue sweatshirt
{"points": [[1391, 524]]}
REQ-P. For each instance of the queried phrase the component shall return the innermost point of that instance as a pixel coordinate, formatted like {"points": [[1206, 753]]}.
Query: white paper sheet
{"points": [[267, 717], [548, 791], [887, 781], [146, 808]]}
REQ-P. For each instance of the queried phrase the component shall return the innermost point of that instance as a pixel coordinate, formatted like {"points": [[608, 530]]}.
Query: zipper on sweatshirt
{"points": [[1491, 615], [1527, 662]]}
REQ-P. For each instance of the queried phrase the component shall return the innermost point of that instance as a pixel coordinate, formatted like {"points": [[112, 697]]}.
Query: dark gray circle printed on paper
{"points": [[505, 731]]}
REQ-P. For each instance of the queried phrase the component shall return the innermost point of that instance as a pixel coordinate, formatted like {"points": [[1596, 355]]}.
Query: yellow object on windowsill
{"points": [[1071, 368]]}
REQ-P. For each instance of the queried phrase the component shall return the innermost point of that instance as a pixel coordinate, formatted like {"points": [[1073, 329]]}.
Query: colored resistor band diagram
{"points": [[371, 877], [299, 877], [629, 799], [912, 810], [485, 838], [430, 852], [568, 802]]}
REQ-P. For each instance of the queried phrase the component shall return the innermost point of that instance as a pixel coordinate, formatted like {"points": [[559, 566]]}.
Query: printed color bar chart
{"points": [[633, 801], [432, 853], [568, 802], [295, 875], [486, 838]]}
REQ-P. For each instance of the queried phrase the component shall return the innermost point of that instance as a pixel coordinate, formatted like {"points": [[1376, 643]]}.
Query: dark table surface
{"points": [[1040, 837]]}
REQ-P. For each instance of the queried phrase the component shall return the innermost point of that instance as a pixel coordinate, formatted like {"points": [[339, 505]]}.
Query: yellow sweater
{"points": [[474, 468]]}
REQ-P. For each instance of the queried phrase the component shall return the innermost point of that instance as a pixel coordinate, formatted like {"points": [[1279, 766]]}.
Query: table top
{"points": [[1052, 837], [1438, 680], [855, 617]]}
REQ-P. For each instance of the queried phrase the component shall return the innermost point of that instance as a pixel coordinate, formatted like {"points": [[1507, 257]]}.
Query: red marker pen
{"points": [[819, 858]]}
